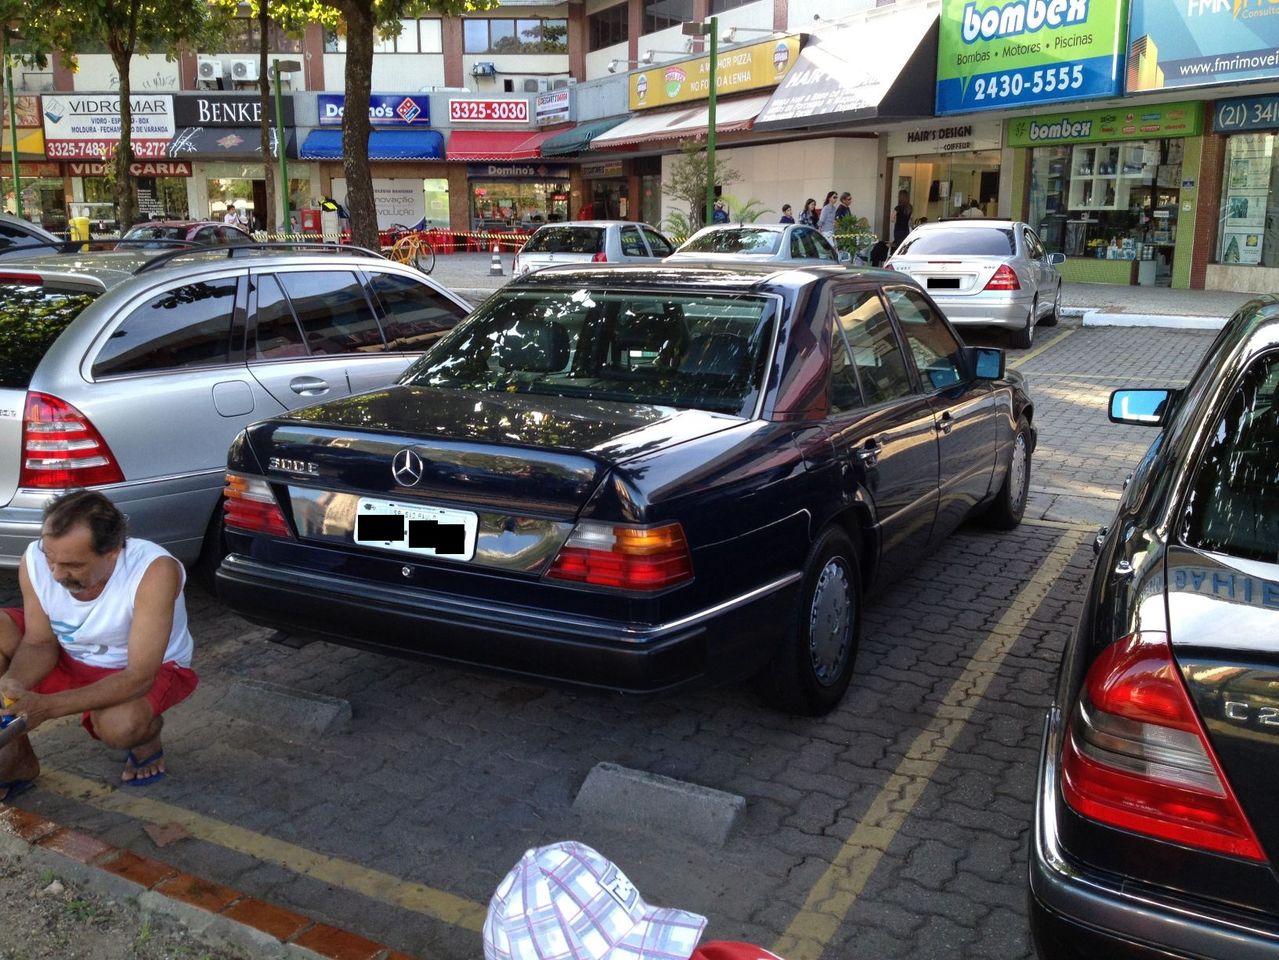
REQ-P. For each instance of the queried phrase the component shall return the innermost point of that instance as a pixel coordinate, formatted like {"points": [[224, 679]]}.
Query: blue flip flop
{"points": [[136, 763], [15, 788]]}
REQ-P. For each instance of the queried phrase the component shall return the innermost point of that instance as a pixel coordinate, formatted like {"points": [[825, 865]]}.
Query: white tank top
{"points": [[96, 631]]}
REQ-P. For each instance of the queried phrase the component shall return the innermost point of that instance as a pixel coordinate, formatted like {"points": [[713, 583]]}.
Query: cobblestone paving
{"points": [[446, 776]]}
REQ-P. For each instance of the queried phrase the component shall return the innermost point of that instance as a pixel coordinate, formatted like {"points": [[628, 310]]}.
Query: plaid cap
{"points": [[566, 902]]}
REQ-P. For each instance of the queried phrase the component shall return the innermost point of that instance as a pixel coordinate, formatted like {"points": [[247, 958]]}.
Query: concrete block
{"points": [[1099, 318], [285, 709], [634, 798]]}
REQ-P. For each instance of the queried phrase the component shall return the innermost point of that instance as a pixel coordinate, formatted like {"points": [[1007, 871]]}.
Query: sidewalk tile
{"points": [[338, 944], [140, 870], [24, 825], [78, 846], [199, 893], [278, 922]]}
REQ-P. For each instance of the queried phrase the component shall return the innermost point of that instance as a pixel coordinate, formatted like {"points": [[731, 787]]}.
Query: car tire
{"points": [[811, 670], [1022, 339], [1055, 316], [205, 568], [1010, 504]]}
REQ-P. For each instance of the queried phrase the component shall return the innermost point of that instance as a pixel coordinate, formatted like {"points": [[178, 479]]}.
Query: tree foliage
{"points": [[687, 182]]}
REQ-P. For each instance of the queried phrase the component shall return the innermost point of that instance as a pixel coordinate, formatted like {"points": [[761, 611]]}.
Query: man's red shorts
{"points": [[172, 685]]}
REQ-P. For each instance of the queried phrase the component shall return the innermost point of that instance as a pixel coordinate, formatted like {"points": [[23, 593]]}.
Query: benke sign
{"points": [[385, 109], [945, 138], [228, 110]]}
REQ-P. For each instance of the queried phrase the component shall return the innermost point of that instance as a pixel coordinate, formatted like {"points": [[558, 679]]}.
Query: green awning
{"points": [[577, 139]]}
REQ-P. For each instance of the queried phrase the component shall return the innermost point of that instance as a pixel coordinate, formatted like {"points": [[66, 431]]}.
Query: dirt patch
{"points": [[47, 917]]}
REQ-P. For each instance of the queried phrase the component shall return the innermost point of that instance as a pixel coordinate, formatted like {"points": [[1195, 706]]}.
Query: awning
{"points": [[882, 66], [682, 123], [383, 145], [577, 139], [222, 143], [496, 144]]}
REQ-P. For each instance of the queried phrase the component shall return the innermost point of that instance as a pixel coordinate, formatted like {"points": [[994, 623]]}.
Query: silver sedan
{"points": [[759, 243], [985, 273]]}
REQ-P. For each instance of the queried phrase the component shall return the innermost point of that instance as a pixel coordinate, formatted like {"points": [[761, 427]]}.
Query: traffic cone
{"points": [[495, 267]]}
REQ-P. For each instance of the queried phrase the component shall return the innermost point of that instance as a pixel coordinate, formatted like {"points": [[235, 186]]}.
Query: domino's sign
{"points": [[385, 109]]}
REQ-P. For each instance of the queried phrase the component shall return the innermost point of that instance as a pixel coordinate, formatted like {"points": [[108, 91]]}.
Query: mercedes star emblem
{"points": [[406, 468]]}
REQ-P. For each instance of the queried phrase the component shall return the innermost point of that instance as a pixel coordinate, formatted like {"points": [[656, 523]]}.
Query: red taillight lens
{"points": [[61, 448], [1136, 756], [628, 558], [1005, 278], [249, 504], [600, 257], [889, 266]]}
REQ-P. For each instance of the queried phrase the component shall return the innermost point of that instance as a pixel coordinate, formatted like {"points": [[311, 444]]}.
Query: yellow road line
{"points": [[833, 896], [375, 884], [1027, 357]]}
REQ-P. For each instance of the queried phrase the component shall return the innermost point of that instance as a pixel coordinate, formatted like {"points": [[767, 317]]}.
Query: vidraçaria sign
{"points": [[755, 66], [1081, 126], [1191, 43], [993, 54]]}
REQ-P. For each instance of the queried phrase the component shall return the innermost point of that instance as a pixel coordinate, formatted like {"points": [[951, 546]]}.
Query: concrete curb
{"points": [[219, 915], [1103, 317]]}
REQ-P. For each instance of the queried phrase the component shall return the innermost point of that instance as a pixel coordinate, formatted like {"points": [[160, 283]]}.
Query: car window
{"points": [[822, 249], [414, 315], [566, 240], [276, 332], [1034, 249], [332, 310], [845, 393], [798, 248], [1233, 506], [936, 351], [31, 317], [633, 243], [660, 246], [957, 240], [232, 236], [205, 235], [877, 356], [189, 326], [745, 240]]}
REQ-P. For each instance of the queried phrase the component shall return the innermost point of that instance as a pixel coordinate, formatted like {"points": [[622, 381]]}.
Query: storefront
{"points": [[517, 195], [606, 191], [40, 182], [1247, 241], [1115, 189], [944, 166], [161, 187]]}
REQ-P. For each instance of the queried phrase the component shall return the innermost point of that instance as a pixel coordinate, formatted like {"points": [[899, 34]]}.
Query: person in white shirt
{"points": [[973, 210], [231, 216], [102, 632]]}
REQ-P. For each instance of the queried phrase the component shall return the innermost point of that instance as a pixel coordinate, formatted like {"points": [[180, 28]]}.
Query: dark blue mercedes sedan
{"points": [[635, 478]]}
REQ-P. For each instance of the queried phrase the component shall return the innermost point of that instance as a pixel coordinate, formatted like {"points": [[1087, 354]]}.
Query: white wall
{"points": [[392, 72], [597, 62], [801, 15], [97, 73]]}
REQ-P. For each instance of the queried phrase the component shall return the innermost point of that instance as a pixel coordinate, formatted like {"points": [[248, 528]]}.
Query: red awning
{"points": [[495, 144]]}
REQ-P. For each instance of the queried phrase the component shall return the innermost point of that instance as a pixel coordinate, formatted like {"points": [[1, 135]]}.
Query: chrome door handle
{"points": [[868, 453], [308, 386], [945, 422]]}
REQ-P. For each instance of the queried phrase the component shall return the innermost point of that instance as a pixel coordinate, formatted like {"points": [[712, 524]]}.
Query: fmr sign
{"points": [[552, 107], [510, 110], [752, 67], [86, 126], [1135, 123], [1200, 42], [385, 109], [159, 168], [1246, 113]]}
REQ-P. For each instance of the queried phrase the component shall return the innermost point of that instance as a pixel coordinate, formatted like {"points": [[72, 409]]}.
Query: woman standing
{"points": [[808, 216], [901, 218], [826, 219]]}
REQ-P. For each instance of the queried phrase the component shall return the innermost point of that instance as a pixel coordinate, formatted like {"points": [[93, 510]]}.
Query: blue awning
{"points": [[383, 145]]}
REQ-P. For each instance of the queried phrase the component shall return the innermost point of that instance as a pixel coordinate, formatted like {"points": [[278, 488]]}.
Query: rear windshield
{"points": [[737, 240], [966, 241], [1233, 506], [566, 240], [156, 233], [670, 349], [31, 317]]}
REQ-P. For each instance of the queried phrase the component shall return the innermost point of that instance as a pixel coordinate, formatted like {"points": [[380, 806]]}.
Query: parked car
{"points": [[591, 241], [985, 272], [15, 234], [132, 372], [759, 242], [635, 478], [205, 232], [1155, 830]]}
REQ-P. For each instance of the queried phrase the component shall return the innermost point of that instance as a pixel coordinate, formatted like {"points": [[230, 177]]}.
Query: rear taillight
{"points": [[628, 558], [61, 448], [889, 266], [249, 504], [1005, 278], [1136, 756], [600, 257]]}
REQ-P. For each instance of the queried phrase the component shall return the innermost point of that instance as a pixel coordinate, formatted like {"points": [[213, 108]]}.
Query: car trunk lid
{"points": [[950, 276]]}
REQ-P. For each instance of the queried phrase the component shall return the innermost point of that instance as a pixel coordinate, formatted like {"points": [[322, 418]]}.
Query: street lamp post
{"points": [[699, 28], [287, 66], [13, 125]]}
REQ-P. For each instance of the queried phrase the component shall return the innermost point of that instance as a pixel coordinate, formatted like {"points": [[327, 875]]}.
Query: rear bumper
{"points": [[1081, 914], [985, 309], [728, 640]]}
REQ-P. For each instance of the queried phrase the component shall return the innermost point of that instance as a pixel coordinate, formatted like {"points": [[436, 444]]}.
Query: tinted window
{"points": [[31, 317], [1233, 506], [660, 246], [232, 236], [735, 240], [414, 315], [935, 350], [334, 313], [276, 334], [186, 327], [845, 394], [633, 243], [798, 248], [821, 247], [881, 368], [1034, 248], [156, 233], [566, 240], [957, 240]]}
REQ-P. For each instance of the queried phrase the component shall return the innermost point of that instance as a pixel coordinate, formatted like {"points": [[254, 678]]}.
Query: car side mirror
{"points": [[987, 362], [1056, 259], [845, 257], [1142, 408]]}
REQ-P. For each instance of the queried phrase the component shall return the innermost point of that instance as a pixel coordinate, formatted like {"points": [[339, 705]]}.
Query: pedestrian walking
{"points": [[845, 206], [786, 214], [826, 218], [808, 216], [720, 213], [902, 214]]}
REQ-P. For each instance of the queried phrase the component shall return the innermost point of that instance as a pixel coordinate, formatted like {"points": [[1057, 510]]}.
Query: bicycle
{"points": [[414, 249]]}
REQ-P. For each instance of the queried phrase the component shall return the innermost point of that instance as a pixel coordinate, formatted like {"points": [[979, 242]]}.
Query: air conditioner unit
{"points": [[209, 68], [531, 85], [543, 85], [560, 83], [244, 69]]}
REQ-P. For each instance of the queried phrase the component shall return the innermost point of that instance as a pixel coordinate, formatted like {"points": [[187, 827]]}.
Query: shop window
{"points": [[499, 35], [242, 37], [1245, 199], [606, 27], [186, 327], [664, 14], [415, 36]]}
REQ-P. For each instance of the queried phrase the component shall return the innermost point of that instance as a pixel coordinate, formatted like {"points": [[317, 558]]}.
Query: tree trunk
{"points": [[355, 123], [267, 122], [126, 192]]}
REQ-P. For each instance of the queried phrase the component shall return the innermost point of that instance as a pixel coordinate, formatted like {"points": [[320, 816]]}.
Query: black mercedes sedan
{"points": [[635, 478], [1156, 832]]}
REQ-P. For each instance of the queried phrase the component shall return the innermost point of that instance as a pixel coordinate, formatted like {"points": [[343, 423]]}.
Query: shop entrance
{"points": [[247, 197], [945, 185]]}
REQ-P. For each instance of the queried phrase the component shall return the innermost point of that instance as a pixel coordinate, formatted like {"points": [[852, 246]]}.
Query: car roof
{"points": [[594, 223], [695, 273], [969, 222], [775, 227]]}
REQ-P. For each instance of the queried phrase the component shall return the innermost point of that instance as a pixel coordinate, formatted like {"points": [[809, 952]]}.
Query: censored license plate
{"points": [[415, 528]]}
